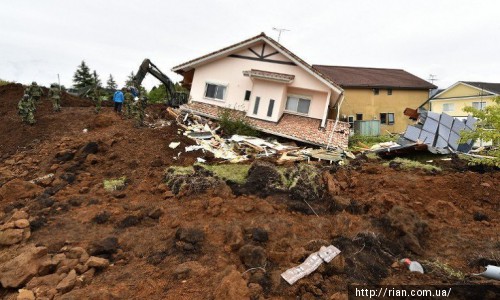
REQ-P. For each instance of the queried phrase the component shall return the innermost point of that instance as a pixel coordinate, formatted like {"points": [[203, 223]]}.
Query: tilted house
{"points": [[378, 94], [455, 98], [274, 89]]}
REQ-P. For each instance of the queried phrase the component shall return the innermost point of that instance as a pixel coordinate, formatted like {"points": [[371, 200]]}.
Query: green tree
{"points": [[157, 94], [95, 79], [111, 83], [487, 128], [130, 79], [82, 76]]}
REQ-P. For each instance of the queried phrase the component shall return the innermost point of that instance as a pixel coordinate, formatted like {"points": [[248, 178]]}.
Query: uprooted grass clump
{"points": [[407, 164], [111, 185], [194, 180], [442, 269], [236, 173]]}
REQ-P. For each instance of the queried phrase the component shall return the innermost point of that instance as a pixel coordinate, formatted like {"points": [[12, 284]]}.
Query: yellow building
{"points": [[464, 93], [378, 94]]}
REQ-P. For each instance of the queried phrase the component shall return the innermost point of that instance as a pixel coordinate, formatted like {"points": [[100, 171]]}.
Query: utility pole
{"points": [[280, 30], [59, 82]]}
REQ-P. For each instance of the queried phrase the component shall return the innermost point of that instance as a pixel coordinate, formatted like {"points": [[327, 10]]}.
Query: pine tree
{"points": [[82, 77], [111, 83], [130, 79], [95, 79]]}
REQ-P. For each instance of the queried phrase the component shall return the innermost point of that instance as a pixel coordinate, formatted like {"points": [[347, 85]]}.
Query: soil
{"points": [[216, 244]]}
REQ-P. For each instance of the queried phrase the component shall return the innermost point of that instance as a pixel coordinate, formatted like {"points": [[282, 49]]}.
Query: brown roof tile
{"points": [[294, 127], [373, 77]]}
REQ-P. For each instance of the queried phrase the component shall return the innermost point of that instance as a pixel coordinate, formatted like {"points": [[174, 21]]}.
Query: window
{"points": [[298, 105], [387, 118], [359, 117], [256, 106], [383, 118], [247, 95], [350, 120], [270, 108], [389, 91], [376, 91], [448, 107], [479, 105], [390, 118], [215, 91]]}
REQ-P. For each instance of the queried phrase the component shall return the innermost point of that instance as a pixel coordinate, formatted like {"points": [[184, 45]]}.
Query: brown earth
{"points": [[214, 244]]}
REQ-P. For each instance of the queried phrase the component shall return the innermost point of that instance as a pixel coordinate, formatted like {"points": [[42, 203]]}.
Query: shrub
{"points": [[412, 164], [114, 184], [233, 122], [369, 141]]}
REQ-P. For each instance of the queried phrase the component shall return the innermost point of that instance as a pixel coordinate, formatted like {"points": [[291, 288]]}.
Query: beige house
{"points": [[378, 94], [455, 98], [276, 91]]}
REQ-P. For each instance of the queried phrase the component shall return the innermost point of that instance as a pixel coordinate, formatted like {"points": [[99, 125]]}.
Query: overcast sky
{"points": [[452, 39]]}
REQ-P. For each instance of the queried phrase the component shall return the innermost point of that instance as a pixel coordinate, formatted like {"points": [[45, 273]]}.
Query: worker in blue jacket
{"points": [[118, 99]]}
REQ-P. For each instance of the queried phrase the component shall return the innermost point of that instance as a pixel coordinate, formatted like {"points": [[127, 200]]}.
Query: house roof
{"points": [[488, 86], [261, 37], [269, 75], [373, 77]]}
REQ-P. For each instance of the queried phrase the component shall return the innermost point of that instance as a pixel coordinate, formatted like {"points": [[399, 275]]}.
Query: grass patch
{"points": [[111, 185], [232, 172], [443, 269], [5, 82], [412, 164], [372, 156], [180, 170], [361, 141]]}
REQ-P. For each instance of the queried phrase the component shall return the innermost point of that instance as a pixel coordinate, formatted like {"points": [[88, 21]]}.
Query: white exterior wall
{"points": [[228, 71]]}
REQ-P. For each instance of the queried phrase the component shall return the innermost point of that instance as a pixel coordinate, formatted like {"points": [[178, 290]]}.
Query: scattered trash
{"points": [[36, 180], [492, 272], [325, 254], [85, 130], [174, 145], [201, 160], [413, 266]]}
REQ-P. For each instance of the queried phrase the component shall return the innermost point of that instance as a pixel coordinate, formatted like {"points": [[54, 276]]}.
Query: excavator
{"points": [[174, 98]]}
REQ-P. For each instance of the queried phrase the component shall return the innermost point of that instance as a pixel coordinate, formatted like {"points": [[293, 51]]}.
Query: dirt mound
{"points": [[103, 193]]}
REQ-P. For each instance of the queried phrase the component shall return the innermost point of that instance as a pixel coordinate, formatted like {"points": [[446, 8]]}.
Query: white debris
{"points": [[325, 254], [492, 272], [174, 145], [201, 160], [36, 180], [85, 130]]}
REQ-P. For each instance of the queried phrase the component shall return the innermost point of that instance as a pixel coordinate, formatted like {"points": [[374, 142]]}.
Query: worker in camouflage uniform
{"points": [[35, 92], [55, 95], [138, 108], [26, 109], [129, 99]]}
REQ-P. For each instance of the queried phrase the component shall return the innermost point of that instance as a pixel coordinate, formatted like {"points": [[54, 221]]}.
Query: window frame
{"points": [[376, 91], [452, 105], [217, 86], [270, 108], [350, 120], [299, 97], [248, 95], [482, 104], [387, 118], [389, 92], [256, 105], [359, 119]]}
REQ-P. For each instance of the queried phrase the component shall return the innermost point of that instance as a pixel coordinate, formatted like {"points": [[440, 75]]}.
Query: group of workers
{"points": [[129, 96], [134, 105], [32, 94]]}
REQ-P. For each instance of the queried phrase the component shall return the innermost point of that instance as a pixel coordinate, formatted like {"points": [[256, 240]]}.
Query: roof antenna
{"points": [[432, 78], [280, 30]]}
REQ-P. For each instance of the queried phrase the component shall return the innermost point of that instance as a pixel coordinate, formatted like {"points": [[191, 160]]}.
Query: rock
{"points": [[9, 225], [252, 256], [17, 189], [25, 295], [97, 262], [259, 235], [65, 155], [75, 252], [68, 283], [81, 268], [129, 221], [168, 194], [69, 262], [19, 215], [190, 235], [87, 276], [104, 247], [11, 236], [16, 272], [155, 213], [90, 148], [49, 280], [234, 237], [47, 266], [23, 223], [101, 218], [255, 290], [232, 286]]}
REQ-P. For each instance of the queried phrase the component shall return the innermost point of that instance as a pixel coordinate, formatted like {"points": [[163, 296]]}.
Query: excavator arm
{"points": [[175, 98]]}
